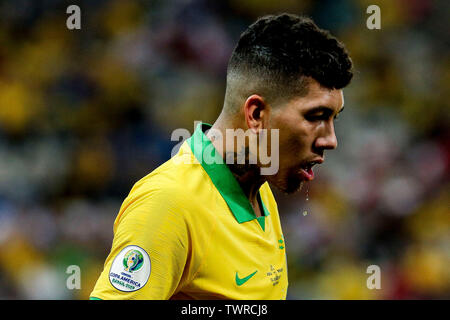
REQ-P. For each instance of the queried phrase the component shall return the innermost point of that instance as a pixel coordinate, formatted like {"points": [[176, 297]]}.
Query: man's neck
{"points": [[247, 175]]}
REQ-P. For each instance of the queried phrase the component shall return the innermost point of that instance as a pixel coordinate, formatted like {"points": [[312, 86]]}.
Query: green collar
{"points": [[222, 177]]}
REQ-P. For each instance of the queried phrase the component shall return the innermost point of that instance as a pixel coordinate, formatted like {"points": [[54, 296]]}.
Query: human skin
{"points": [[306, 130]]}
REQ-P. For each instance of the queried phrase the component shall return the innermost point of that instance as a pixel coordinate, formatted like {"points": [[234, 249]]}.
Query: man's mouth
{"points": [[306, 169]]}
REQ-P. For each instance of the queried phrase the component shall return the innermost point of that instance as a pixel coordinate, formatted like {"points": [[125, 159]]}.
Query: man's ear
{"points": [[256, 112]]}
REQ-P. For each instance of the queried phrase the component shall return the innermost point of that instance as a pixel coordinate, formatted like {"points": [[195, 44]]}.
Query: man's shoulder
{"points": [[167, 179], [173, 180], [159, 194], [173, 171]]}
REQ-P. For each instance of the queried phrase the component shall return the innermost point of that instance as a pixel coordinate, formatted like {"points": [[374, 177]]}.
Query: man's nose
{"points": [[328, 140]]}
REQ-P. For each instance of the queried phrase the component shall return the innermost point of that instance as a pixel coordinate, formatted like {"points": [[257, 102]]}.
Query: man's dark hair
{"points": [[277, 53]]}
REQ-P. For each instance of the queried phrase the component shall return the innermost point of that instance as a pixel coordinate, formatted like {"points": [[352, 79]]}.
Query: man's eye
{"points": [[316, 117]]}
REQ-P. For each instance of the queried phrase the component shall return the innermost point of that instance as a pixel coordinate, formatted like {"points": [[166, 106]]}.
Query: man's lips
{"points": [[307, 174], [306, 169]]}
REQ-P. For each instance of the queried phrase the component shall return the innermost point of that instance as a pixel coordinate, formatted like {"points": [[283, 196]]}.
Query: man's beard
{"points": [[289, 184]]}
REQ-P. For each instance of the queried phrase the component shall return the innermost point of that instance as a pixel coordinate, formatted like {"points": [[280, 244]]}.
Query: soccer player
{"points": [[202, 227]]}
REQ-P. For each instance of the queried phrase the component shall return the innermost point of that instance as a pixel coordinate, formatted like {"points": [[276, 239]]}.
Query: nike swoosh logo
{"points": [[241, 281]]}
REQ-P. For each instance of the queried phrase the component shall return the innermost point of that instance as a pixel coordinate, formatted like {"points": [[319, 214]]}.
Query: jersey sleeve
{"points": [[151, 250]]}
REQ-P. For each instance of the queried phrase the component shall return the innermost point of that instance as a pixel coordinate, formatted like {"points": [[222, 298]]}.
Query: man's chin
{"points": [[294, 189], [289, 186]]}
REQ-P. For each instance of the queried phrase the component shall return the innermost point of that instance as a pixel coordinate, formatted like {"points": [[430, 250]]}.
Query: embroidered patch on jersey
{"points": [[130, 269]]}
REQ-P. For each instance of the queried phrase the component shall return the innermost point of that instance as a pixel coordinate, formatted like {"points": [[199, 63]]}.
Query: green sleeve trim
{"points": [[94, 298]]}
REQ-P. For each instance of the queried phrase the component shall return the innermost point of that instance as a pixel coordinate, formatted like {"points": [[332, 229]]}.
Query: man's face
{"points": [[306, 130]]}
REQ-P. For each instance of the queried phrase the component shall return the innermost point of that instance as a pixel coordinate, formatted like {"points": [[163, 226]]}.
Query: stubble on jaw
{"points": [[288, 185]]}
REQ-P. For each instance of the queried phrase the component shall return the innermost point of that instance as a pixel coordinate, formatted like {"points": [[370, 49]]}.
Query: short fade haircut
{"points": [[275, 56]]}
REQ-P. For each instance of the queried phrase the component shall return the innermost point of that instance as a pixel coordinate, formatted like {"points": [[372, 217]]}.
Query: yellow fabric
{"points": [[197, 248]]}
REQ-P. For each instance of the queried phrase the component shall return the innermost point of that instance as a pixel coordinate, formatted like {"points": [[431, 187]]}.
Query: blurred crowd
{"points": [[86, 113]]}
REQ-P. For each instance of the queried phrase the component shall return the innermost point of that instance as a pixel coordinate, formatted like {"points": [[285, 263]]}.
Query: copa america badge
{"points": [[130, 269]]}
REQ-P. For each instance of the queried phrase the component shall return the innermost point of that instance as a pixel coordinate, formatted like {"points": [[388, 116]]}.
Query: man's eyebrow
{"points": [[342, 109], [322, 109]]}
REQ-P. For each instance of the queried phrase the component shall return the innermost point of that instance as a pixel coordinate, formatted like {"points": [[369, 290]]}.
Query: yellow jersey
{"points": [[187, 231]]}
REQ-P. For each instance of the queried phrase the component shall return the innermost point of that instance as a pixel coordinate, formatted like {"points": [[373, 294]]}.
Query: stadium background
{"points": [[85, 113]]}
